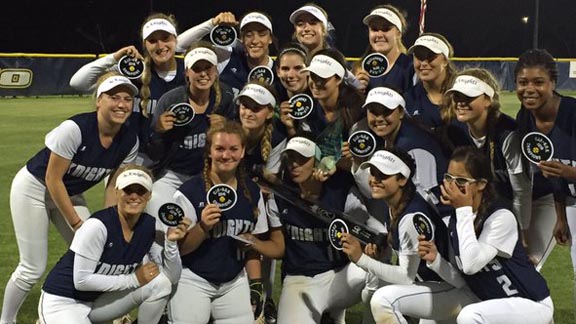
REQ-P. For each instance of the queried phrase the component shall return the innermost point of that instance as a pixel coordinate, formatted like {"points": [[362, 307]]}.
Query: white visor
{"points": [[324, 66], [387, 163], [471, 86], [200, 53], [134, 176], [435, 44], [116, 81], [385, 97], [303, 146], [256, 17], [317, 13], [385, 13], [258, 93], [158, 24]]}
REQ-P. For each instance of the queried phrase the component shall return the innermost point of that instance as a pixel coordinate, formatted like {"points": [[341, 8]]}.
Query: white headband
{"points": [[471, 86], [324, 66], [158, 24], [432, 43], [258, 93], [385, 13]]}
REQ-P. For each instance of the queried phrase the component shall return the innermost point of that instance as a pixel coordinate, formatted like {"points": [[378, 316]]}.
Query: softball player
{"points": [[162, 72], [386, 26], [79, 153], [101, 277], [484, 235], [182, 147], [386, 118], [251, 50], [432, 55], [536, 76], [213, 282], [475, 100], [391, 172], [316, 277]]}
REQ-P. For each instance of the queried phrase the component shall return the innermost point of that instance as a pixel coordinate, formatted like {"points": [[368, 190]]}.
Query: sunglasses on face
{"points": [[318, 81], [378, 176], [424, 54], [295, 157], [460, 181], [461, 98]]}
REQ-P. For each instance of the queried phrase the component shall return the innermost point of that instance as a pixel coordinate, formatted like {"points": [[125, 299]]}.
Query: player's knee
{"points": [[469, 315], [26, 276], [159, 287], [381, 305]]}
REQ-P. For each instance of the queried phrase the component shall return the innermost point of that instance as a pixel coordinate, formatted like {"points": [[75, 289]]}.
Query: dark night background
{"points": [[476, 28]]}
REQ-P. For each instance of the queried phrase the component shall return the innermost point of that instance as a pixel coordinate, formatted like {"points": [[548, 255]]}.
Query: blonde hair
{"points": [[216, 84], [148, 64]]}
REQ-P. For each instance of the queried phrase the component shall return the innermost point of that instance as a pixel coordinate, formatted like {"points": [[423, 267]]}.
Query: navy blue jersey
{"points": [[308, 249], [563, 137], [503, 277], [419, 106], [400, 76], [418, 205], [219, 259], [186, 144], [91, 162], [118, 257], [158, 86]]}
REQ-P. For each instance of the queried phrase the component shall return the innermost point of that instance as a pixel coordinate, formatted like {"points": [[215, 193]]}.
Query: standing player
{"points": [[486, 240], [162, 72], [79, 153], [214, 283], [386, 25], [546, 111], [93, 282]]}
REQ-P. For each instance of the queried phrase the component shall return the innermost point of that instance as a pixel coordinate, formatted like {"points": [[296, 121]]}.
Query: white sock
{"points": [[13, 299]]}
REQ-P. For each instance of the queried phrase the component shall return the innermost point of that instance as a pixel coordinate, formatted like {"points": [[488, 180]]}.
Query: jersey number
{"points": [[506, 283]]}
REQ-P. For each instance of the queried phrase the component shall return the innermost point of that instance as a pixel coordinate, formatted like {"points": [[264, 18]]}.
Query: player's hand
{"points": [[562, 233], [364, 79], [322, 175], [351, 246], [146, 272], [427, 249], [256, 296], [371, 250], [210, 216], [250, 237], [165, 122], [557, 169], [346, 152], [225, 18], [285, 118], [179, 231], [454, 195], [131, 51]]}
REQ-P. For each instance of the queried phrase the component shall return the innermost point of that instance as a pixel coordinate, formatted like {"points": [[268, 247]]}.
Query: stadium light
{"points": [[525, 19]]}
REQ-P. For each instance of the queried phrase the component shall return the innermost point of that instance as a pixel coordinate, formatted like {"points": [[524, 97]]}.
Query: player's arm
{"points": [[274, 246], [55, 171]]}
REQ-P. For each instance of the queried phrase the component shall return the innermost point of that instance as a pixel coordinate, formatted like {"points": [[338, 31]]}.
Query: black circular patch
{"points": [[302, 106], [362, 143], [537, 147], [375, 64], [170, 214], [262, 74], [130, 67], [223, 35], [423, 226], [184, 113], [335, 231], [223, 196]]}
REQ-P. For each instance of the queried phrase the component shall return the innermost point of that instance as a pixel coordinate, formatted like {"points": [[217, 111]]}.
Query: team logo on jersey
{"points": [[335, 230], [170, 214], [131, 67], [375, 64], [362, 143], [223, 35], [423, 226], [262, 74], [184, 114], [537, 147], [301, 105], [223, 196]]}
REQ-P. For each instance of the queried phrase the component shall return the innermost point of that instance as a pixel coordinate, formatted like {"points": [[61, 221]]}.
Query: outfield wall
{"points": [[48, 74]]}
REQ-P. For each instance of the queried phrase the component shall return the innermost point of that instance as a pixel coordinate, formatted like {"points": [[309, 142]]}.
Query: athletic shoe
{"points": [[126, 319], [270, 312]]}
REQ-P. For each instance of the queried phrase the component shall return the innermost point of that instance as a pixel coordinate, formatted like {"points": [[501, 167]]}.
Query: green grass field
{"points": [[23, 125]]}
